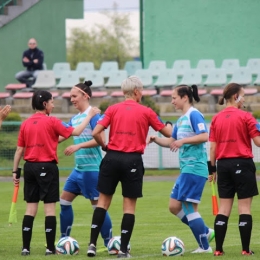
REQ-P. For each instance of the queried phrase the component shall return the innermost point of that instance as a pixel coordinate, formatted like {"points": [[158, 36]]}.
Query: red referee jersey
{"points": [[232, 129], [39, 135], [129, 123]]}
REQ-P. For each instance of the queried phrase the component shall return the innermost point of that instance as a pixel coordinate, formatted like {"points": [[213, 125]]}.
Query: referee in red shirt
{"points": [[37, 143], [230, 137], [129, 122]]}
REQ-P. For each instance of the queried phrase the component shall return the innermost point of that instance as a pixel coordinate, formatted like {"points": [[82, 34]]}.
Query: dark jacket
{"points": [[33, 54]]}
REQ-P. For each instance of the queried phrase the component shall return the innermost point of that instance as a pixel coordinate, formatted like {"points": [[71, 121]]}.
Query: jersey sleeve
{"points": [[62, 128], [106, 118], [94, 120], [198, 123], [155, 121], [174, 132], [252, 126]]}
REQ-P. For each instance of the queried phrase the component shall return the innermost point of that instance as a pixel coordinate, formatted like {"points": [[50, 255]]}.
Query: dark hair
{"points": [[230, 90], [191, 92], [39, 97], [85, 87]]}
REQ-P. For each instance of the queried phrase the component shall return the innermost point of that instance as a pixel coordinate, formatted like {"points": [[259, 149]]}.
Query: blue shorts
{"points": [[83, 183], [188, 187]]}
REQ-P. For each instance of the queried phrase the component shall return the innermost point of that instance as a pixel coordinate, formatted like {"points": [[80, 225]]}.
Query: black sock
{"points": [[220, 227], [27, 231], [97, 222], [127, 227], [50, 232], [245, 228]]}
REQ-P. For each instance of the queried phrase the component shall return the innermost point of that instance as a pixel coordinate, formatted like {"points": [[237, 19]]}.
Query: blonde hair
{"points": [[129, 84]]}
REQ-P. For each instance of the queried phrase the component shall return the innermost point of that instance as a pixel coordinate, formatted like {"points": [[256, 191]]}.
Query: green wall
{"points": [[45, 21], [200, 29]]}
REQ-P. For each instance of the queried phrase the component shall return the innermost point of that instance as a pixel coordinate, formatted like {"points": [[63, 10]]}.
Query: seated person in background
{"points": [[33, 61]]}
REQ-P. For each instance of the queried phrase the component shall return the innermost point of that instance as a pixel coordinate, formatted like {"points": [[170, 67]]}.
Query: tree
{"points": [[112, 42]]}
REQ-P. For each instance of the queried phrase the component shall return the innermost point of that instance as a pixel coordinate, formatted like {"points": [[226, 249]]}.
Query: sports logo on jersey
{"points": [[201, 126]]}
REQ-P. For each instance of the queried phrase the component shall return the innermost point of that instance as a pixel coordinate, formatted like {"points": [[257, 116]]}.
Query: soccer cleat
{"points": [[244, 252], [48, 252], [123, 255], [211, 235], [218, 253], [201, 250], [25, 252], [91, 250]]}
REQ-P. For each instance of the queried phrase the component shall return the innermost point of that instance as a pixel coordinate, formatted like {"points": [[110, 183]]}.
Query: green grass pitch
{"points": [[153, 224]]}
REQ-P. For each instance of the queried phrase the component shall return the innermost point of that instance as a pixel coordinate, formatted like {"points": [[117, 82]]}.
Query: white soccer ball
{"points": [[113, 245], [67, 246], [172, 246]]}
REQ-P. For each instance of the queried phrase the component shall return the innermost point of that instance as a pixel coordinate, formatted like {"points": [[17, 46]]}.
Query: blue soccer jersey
{"points": [[86, 159], [192, 157]]}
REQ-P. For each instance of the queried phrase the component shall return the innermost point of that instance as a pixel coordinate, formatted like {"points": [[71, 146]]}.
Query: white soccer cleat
{"points": [[201, 250]]}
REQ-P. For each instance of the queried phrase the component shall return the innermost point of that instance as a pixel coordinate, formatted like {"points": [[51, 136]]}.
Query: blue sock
{"points": [[106, 229], [66, 220], [198, 228], [181, 215]]}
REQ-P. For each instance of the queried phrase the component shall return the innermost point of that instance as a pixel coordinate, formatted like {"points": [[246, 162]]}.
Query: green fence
{"points": [[154, 157]]}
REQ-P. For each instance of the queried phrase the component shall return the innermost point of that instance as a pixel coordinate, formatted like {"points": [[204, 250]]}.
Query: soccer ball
{"points": [[172, 246], [113, 245], [67, 246]]}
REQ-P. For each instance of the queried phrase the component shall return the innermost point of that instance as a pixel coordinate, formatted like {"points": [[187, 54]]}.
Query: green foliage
{"points": [[104, 105], [12, 122], [149, 102], [13, 116], [256, 114], [110, 42]]}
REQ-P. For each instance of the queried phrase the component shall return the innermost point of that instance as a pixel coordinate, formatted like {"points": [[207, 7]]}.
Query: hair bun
{"points": [[88, 83]]}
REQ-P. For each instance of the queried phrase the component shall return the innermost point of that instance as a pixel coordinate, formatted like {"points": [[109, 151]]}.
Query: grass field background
{"points": [[153, 224]]}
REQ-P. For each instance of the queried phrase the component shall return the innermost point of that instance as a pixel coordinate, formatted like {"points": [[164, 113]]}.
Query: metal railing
{"points": [[3, 3]]}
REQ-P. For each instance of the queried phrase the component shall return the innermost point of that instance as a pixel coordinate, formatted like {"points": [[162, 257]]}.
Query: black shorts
{"points": [[124, 167], [41, 182], [236, 175]]}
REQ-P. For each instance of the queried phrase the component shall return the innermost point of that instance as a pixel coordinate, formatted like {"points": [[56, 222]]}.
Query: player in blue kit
{"points": [[189, 136], [83, 179]]}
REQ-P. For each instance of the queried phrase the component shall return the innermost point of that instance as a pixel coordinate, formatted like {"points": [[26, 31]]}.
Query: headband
{"points": [[82, 91]]}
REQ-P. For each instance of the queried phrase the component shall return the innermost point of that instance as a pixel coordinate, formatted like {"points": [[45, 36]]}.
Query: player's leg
{"points": [[175, 207], [31, 196], [106, 229], [88, 187], [98, 218], [27, 226], [49, 194], [107, 182], [66, 213], [226, 191], [190, 188], [70, 191], [132, 183], [50, 227], [246, 189]]}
